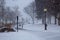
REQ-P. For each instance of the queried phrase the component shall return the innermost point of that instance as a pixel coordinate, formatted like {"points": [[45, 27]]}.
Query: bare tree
{"points": [[31, 10]]}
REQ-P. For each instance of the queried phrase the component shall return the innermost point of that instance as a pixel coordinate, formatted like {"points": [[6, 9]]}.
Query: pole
{"points": [[45, 22], [17, 23]]}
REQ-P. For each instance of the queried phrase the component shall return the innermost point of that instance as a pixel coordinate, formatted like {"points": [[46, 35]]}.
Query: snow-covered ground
{"points": [[33, 32]]}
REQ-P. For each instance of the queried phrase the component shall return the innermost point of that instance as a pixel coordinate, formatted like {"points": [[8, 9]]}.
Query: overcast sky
{"points": [[20, 3]]}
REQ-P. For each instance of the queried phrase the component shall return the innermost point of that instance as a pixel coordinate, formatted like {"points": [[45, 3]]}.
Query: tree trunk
{"points": [[59, 21], [43, 20], [33, 20], [55, 20]]}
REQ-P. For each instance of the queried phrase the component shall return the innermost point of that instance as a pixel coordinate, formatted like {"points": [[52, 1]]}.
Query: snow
{"points": [[18, 36], [33, 32], [40, 27]]}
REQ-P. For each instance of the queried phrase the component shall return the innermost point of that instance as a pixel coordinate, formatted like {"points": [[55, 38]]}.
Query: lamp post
{"points": [[17, 23], [45, 10]]}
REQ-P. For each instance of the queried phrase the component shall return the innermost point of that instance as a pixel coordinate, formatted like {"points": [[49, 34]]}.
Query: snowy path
{"points": [[33, 32]]}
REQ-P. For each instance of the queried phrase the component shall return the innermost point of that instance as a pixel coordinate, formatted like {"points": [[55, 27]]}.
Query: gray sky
{"points": [[20, 3]]}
